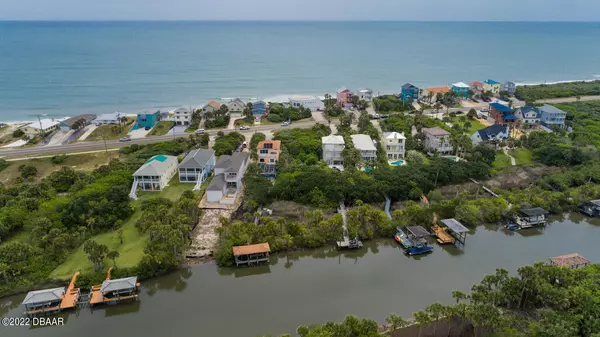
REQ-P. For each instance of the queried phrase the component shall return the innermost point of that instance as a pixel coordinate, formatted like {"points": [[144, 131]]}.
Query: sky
{"points": [[401, 10]]}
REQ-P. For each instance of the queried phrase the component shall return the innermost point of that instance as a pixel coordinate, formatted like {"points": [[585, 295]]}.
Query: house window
{"points": [[264, 151]]}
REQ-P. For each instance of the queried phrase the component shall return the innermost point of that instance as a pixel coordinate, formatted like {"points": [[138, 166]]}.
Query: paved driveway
{"points": [[139, 133]]}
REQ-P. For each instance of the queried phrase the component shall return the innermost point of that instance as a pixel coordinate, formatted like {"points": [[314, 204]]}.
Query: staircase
{"points": [[388, 203], [133, 192]]}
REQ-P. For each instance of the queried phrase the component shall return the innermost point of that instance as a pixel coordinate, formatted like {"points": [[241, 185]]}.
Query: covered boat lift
{"points": [[417, 233], [570, 260], [591, 208], [251, 254], [458, 230]]}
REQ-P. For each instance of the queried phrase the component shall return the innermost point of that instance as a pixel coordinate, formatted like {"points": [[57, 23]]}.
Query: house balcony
{"points": [[231, 177]]}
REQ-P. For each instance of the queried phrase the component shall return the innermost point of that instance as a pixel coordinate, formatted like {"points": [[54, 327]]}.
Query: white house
{"points": [[493, 133], [236, 107], [437, 139], [365, 94], [365, 145], [196, 166], [45, 125], [227, 181], [182, 116], [155, 174], [529, 115], [111, 118], [552, 116], [394, 145], [332, 150], [311, 102]]}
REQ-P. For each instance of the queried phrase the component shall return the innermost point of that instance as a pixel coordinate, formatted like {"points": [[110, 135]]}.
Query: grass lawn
{"points": [[522, 156], [475, 124], [110, 131], [161, 128], [501, 161], [171, 192], [86, 162], [245, 121]]}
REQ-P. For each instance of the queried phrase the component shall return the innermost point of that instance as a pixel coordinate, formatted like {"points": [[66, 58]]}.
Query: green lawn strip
{"points": [[522, 156], [501, 161], [172, 192], [475, 124], [110, 131], [161, 128]]}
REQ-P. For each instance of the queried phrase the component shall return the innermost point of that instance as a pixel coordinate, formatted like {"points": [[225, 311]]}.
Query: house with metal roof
{"points": [[437, 140], [119, 287], [42, 299], [528, 115], [344, 97], [78, 121], [332, 150], [491, 134], [502, 114], [182, 116], [461, 89], [268, 156], [236, 107], [227, 180], [492, 86], [394, 145], [43, 125], [365, 94], [510, 87], [196, 166], [409, 92], [531, 217], [155, 174], [552, 116], [110, 118], [366, 146]]}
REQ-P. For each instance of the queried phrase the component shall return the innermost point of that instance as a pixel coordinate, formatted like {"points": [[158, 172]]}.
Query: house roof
{"points": [[237, 100], [109, 117], [259, 102], [45, 123], [595, 202], [156, 165], [118, 284], [302, 98], [500, 107], [146, 112], [455, 226], [365, 90], [460, 85], [534, 211], [393, 135], [436, 131], [232, 163], [213, 104], [363, 142], [409, 86], [492, 131], [551, 109], [251, 249], [196, 158], [276, 144], [343, 89], [42, 296], [217, 183], [491, 82], [331, 139], [418, 231], [508, 117], [476, 84], [529, 108], [439, 90], [72, 120], [181, 109], [569, 260]]}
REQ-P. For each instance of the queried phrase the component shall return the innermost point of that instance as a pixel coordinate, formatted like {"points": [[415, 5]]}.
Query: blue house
{"points": [[461, 89], [259, 108], [552, 116], [147, 120], [409, 92], [511, 87]]}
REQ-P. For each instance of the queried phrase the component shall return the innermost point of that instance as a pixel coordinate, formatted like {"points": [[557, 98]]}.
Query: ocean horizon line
{"points": [[295, 21]]}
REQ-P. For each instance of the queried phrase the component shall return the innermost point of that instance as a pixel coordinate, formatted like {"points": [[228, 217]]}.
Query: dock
{"points": [[572, 261], [458, 230], [442, 236], [52, 300], [114, 291], [251, 254]]}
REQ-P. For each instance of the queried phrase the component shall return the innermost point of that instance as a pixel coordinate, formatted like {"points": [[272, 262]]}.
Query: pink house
{"points": [[344, 97], [476, 86]]}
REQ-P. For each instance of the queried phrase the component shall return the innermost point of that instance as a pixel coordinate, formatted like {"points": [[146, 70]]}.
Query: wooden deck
{"points": [[71, 295], [442, 236]]}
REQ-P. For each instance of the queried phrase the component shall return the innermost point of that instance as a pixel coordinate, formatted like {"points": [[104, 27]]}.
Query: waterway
{"points": [[315, 286]]}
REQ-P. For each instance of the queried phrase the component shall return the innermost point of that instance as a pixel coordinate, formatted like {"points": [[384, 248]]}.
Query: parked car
{"points": [[285, 123], [459, 112], [200, 131], [375, 116], [244, 127], [244, 144], [125, 139], [147, 128], [484, 110], [383, 116]]}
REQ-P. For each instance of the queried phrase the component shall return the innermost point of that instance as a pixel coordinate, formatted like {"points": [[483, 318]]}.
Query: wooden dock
{"points": [[442, 236], [96, 296], [71, 295]]}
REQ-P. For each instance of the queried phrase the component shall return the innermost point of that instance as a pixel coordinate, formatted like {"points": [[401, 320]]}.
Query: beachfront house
{"points": [[437, 140], [236, 107], [43, 300], [311, 102], [344, 98], [76, 122], [196, 166], [211, 107], [551, 116], [476, 87], [147, 119], [332, 150], [492, 86], [492, 134], [42, 125], [259, 108], [268, 157], [461, 89], [409, 92], [182, 116], [111, 118], [510, 87], [528, 115], [227, 180], [394, 145], [502, 114], [155, 174], [431, 95], [366, 146], [365, 94]]}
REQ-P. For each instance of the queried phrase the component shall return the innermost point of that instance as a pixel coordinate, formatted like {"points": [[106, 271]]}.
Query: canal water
{"points": [[315, 286]]}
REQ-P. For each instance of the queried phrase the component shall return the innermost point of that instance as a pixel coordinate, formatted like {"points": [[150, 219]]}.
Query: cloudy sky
{"points": [[414, 10]]}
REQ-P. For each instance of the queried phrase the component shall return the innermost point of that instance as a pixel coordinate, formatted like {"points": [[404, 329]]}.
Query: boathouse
{"points": [[251, 254], [570, 260], [417, 233], [531, 217], [458, 230], [52, 300], [591, 208], [114, 291]]}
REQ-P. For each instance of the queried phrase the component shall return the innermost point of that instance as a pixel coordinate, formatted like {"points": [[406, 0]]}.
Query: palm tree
{"points": [[423, 319], [120, 232], [113, 255], [395, 322], [436, 310], [458, 295]]}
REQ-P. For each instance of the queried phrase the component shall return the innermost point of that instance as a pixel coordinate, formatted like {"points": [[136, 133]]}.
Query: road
{"points": [[569, 99], [99, 145]]}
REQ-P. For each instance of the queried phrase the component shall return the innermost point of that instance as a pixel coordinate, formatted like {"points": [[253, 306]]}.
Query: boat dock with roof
{"points": [[458, 230], [531, 217], [52, 300], [251, 254], [114, 291], [570, 260], [591, 208]]}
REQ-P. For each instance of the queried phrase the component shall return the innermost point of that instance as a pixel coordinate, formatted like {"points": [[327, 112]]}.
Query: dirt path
{"points": [[204, 236]]}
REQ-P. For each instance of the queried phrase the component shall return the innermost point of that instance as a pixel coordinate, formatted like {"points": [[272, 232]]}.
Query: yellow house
{"points": [[493, 86]]}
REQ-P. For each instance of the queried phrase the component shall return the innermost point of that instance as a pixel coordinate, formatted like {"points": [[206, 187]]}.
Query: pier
{"points": [[114, 291], [570, 260], [52, 300], [251, 254], [591, 208], [442, 236], [458, 230], [531, 217]]}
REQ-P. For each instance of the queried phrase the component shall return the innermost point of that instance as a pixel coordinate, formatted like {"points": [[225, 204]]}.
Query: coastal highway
{"points": [[99, 145]]}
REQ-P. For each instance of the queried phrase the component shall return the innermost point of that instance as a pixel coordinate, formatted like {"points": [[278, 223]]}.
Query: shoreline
{"points": [[280, 98]]}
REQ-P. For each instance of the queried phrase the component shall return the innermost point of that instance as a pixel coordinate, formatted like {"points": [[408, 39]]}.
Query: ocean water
{"points": [[66, 68]]}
